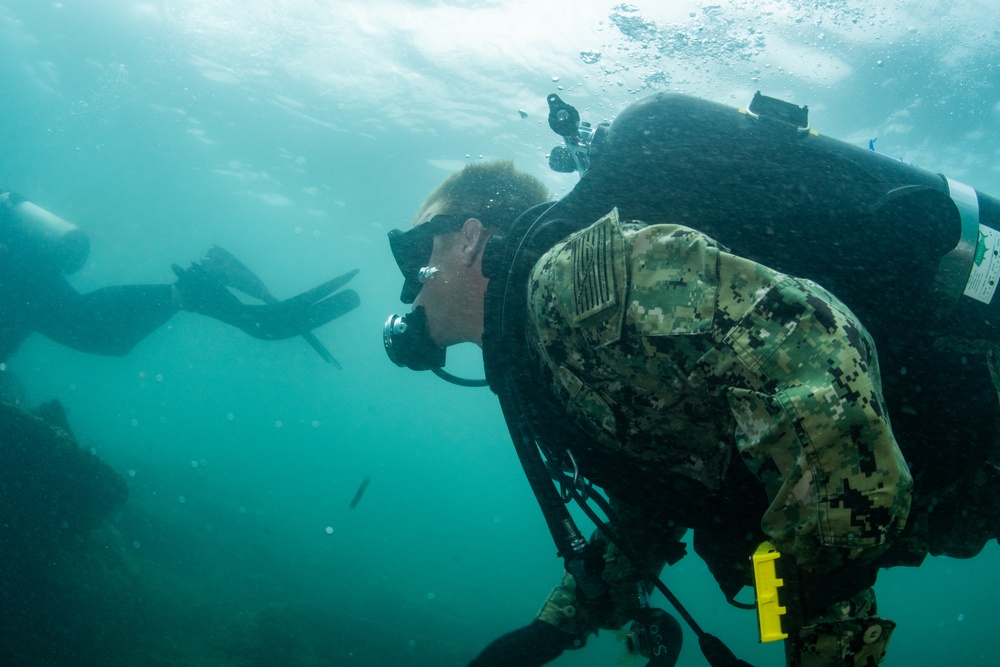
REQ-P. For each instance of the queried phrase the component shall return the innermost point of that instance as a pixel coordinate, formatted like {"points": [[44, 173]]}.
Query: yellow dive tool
{"points": [[766, 586]]}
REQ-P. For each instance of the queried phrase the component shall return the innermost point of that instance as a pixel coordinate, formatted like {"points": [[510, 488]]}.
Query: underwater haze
{"points": [[296, 134]]}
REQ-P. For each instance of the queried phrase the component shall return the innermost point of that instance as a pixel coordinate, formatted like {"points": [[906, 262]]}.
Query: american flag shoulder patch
{"points": [[594, 253]]}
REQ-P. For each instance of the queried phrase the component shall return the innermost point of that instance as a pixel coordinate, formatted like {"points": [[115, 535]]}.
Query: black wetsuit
{"points": [[35, 296]]}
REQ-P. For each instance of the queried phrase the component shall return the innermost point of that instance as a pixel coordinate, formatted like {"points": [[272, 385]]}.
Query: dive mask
{"points": [[412, 249]]}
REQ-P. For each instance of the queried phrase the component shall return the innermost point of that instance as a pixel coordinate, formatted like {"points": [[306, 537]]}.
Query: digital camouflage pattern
{"points": [[684, 359], [846, 633]]}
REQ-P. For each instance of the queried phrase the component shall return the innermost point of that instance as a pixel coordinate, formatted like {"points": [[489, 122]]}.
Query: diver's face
{"points": [[440, 291]]}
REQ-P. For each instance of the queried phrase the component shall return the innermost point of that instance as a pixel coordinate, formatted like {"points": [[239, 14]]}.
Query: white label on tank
{"points": [[985, 267]]}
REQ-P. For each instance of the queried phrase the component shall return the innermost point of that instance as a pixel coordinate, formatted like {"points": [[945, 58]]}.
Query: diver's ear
{"points": [[473, 240]]}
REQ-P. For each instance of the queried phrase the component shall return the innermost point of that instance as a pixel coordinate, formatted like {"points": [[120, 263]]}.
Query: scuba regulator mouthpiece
{"points": [[408, 343], [407, 340]]}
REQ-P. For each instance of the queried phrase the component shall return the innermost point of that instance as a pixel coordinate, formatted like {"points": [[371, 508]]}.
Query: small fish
{"points": [[360, 492]]}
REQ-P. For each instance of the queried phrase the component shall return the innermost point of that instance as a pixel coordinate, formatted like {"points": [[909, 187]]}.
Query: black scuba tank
{"points": [[903, 247]]}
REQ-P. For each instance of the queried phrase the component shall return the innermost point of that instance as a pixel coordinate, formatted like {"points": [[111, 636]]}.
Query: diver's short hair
{"points": [[495, 190]]}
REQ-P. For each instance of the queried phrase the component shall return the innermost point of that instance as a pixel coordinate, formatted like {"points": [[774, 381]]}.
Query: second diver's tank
{"points": [[35, 234]]}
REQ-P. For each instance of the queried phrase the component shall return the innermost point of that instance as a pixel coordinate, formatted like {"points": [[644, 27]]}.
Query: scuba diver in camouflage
{"points": [[701, 388], [688, 361]]}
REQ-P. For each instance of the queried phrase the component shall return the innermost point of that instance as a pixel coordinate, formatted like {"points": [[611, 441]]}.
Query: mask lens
{"points": [[412, 249]]}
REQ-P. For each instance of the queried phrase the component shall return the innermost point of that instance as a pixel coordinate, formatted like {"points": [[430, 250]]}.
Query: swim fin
{"points": [[231, 272], [275, 320]]}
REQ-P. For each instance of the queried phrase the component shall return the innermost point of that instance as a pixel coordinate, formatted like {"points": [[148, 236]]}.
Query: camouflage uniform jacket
{"points": [[683, 360]]}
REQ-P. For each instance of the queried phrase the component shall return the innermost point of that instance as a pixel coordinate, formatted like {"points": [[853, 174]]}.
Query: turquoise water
{"points": [[296, 134]]}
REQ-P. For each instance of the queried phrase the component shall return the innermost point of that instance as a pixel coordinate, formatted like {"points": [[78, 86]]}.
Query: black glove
{"points": [[200, 292], [530, 646]]}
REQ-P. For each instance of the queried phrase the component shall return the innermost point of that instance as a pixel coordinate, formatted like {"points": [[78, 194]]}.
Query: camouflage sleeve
{"points": [[798, 376], [802, 383]]}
